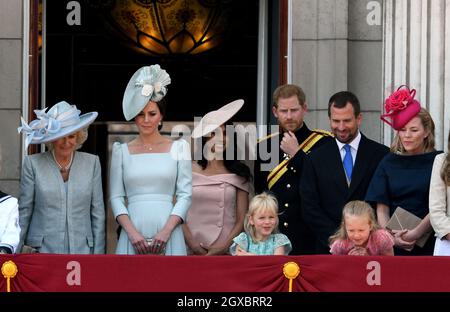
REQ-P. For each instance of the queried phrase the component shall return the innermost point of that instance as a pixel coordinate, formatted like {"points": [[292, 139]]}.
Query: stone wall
{"points": [[337, 45], [11, 34]]}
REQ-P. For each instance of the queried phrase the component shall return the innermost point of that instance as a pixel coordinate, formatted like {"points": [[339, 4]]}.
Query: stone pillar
{"points": [[416, 53], [319, 53], [365, 50], [11, 19], [336, 47]]}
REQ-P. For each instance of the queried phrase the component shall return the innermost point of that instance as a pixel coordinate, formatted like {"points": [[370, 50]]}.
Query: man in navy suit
{"points": [[338, 171]]}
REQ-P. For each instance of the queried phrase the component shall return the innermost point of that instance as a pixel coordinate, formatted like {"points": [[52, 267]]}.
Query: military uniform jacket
{"points": [[284, 183]]}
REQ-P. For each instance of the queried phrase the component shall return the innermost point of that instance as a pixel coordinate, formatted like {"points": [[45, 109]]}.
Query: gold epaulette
{"points": [[324, 132], [281, 169], [267, 137]]}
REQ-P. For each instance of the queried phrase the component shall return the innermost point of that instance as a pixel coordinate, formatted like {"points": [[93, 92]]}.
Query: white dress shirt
{"points": [[354, 147]]}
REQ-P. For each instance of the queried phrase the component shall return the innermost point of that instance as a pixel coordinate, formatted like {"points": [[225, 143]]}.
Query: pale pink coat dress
{"points": [[212, 215]]}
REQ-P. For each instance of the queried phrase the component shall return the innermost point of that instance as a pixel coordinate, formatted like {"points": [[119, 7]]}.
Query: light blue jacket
{"points": [[47, 215]]}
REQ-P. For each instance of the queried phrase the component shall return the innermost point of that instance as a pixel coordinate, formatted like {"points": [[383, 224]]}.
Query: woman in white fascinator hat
{"points": [[220, 186], [148, 172], [61, 197]]}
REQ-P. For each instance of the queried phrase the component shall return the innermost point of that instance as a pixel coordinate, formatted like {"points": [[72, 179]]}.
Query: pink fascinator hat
{"points": [[400, 107]]}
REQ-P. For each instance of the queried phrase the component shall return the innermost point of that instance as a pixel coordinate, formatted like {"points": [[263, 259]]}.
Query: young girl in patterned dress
{"points": [[360, 234], [261, 235]]}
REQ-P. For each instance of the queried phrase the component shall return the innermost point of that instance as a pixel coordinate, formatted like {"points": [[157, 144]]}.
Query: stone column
{"points": [[416, 53], [319, 53], [337, 46], [11, 18]]}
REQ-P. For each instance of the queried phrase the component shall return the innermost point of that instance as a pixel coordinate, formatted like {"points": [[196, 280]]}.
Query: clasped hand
{"points": [[404, 239], [215, 250], [358, 251], [142, 246]]}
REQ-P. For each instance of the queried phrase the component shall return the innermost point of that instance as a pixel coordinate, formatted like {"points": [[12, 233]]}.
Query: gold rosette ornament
{"points": [[9, 270], [291, 270]]}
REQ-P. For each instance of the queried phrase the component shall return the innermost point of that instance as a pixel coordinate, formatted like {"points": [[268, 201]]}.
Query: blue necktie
{"points": [[348, 162]]}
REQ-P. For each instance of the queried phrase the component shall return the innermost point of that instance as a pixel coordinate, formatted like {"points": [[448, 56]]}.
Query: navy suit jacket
{"points": [[324, 189]]}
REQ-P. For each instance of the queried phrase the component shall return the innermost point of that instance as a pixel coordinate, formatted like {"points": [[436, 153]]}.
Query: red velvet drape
{"points": [[114, 273]]}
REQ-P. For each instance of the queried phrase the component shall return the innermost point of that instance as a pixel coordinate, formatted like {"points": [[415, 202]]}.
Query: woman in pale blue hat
{"points": [[151, 176], [61, 199]]}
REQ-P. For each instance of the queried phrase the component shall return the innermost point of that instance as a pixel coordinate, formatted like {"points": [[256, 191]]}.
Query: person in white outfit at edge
{"points": [[440, 202], [9, 222]]}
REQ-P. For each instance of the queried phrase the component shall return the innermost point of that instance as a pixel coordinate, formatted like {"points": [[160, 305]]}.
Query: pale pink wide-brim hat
{"points": [[213, 120]]}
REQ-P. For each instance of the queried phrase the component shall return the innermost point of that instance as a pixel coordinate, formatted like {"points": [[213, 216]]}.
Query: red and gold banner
{"points": [[114, 273]]}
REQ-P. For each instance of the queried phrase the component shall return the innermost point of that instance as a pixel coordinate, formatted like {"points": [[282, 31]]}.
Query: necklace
{"points": [[147, 146], [61, 168]]}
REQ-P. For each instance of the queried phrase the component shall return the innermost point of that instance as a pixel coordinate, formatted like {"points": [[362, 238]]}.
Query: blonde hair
{"points": [[263, 202], [428, 142], [357, 208], [82, 136]]}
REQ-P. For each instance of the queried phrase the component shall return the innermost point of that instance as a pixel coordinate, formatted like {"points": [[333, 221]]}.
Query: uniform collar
{"points": [[301, 133]]}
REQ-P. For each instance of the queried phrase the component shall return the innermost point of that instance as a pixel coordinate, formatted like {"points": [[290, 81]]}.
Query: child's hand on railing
{"points": [[242, 252], [358, 251]]}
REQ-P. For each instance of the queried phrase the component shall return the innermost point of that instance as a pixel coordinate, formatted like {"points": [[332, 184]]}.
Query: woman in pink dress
{"points": [[219, 187]]}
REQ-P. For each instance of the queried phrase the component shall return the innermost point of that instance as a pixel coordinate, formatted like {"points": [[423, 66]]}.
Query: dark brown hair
{"points": [[340, 100]]}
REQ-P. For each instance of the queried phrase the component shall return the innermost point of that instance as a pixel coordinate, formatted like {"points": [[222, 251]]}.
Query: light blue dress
{"points": [[150, 187], [266, 247]]}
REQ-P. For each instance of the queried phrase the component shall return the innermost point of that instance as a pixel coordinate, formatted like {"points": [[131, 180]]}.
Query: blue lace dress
{"points": [[266, 247]]}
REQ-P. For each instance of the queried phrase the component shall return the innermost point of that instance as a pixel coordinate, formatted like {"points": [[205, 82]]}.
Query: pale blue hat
{"points": [[60, 121], [147, 84]]}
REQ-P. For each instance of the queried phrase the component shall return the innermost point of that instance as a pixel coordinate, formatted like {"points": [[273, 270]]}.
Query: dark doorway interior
{"points": [[89, 65]]}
